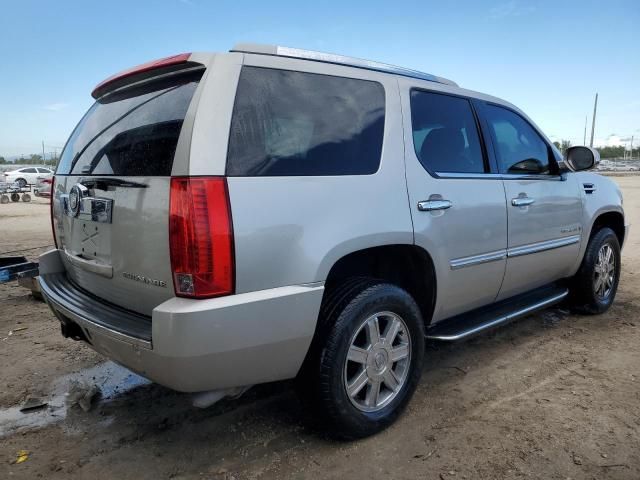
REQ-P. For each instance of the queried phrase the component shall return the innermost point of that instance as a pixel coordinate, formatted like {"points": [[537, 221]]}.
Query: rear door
{"points": [[112, 192], [457, 205], [544, 208], [29, 174]]}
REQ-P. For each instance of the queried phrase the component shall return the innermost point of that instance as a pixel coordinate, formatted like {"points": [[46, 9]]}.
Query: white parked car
{"points": [[27, 175]]}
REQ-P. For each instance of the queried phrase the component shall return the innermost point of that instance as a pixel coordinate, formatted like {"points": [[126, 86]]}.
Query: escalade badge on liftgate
{"points": [[143, 279]]}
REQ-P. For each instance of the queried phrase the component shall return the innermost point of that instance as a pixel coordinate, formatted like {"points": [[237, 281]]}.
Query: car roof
{"points": [[280, 51]]}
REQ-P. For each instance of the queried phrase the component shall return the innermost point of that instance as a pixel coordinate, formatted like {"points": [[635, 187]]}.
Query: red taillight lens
{"points": [[53, 224], [201, 237]]}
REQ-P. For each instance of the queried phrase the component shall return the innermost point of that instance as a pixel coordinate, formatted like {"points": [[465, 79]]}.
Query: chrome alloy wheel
{"points": [[377, 362], [604, 272]]}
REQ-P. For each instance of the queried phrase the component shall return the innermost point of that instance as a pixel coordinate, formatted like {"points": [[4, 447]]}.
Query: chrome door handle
{"points": [[522, 201], [431, 205]]}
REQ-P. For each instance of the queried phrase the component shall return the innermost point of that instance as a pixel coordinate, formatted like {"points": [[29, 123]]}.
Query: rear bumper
{"points": [[71, 303], [194, 345]]}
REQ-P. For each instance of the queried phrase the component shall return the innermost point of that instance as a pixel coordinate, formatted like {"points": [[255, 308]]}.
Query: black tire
{"points": [[26, 197], [21, 182], [15, 197], [343, 315], [584, 297]]}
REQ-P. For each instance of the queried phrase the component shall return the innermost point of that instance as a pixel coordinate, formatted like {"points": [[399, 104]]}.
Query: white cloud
{"points": [[56, 107], [512, 8], [614, 140]]}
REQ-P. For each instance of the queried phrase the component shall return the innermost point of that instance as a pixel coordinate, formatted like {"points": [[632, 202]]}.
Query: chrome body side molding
{"points": [[542, 246], [477, 259], [472, 260]]}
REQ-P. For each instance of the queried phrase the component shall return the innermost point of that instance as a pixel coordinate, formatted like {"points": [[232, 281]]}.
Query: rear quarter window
{"points": [[288, 123]]}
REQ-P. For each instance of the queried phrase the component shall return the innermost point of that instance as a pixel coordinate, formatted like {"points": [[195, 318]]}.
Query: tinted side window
{"points": [[518, 146], [445, 135], [28, 170], [291, 123], [43, 170]]}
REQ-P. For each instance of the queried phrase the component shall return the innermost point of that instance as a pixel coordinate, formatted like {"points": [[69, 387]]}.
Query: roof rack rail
{"points": [[336, 59]]}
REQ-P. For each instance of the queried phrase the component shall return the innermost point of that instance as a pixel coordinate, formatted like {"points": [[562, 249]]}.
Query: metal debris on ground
{"points": [[20, 329], [33, 403]]}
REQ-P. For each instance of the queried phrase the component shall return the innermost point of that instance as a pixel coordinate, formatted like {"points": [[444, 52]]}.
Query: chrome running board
{"points": [[472, 323]]}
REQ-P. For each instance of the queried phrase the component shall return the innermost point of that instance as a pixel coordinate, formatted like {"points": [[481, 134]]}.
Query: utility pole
{"points": [[593, 121], [43, 152], [631, 149], [584, 142]]}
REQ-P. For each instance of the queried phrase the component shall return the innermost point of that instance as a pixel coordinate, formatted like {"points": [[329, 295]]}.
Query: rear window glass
{"points": [[292, 123], [133, 133]]}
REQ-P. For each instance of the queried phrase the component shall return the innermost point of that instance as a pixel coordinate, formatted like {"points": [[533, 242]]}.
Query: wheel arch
{"points": [[406, 265], [612, 219], [388, 263]]}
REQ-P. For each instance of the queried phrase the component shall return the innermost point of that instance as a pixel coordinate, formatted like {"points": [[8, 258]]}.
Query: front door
{"points": [[458, 208], [543, 207]]}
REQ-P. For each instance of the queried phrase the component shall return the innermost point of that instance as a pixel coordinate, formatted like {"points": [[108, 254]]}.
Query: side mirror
{"points": [[581, 158]]}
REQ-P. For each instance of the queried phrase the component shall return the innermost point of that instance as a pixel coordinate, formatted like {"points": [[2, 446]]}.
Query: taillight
{"points": [[53, 225], [201, 237]]}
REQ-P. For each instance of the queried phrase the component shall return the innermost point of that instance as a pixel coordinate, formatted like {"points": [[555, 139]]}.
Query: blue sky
{"points": [[547, 57]]}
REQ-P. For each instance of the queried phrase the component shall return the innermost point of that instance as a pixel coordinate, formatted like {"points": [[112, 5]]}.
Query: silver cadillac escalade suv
{"points": [[228, 219]]}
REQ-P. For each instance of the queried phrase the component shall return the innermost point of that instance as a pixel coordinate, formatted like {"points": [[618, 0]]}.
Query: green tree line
{"points": [[605, 152], [33, 159], [617, 152]]}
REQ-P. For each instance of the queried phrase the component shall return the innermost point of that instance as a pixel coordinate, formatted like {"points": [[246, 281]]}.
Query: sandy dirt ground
{"points": [[554, 396]]}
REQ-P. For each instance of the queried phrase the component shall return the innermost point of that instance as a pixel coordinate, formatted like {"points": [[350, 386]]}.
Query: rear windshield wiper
{"points": [[104, 183]]}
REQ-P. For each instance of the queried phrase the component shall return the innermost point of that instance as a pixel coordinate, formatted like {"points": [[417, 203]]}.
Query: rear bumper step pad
{"points": [[79, 306]]}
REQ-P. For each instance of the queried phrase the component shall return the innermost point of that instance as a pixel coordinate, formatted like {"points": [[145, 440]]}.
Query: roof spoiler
{"points": [[143, 72]]}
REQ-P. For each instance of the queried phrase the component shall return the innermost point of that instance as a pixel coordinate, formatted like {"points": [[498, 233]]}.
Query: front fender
{"points": [[606, 197]]}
